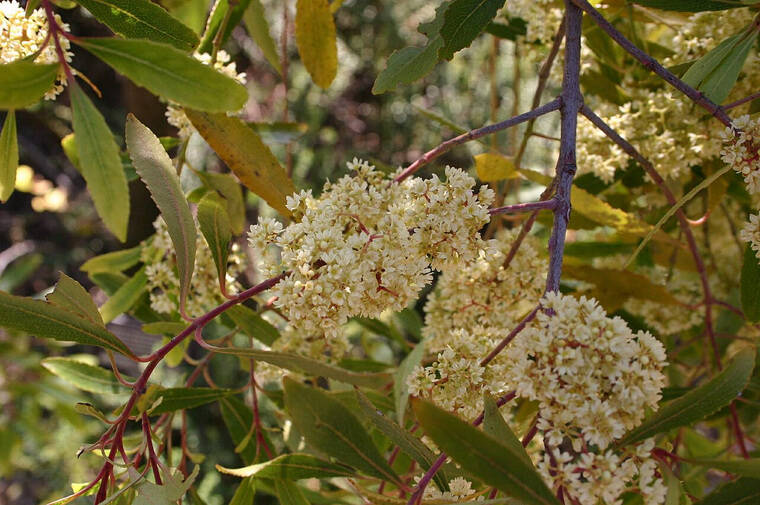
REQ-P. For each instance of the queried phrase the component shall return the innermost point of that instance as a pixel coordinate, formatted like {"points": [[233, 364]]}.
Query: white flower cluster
{"points": [[22, 36], [175, 115], [163, 280], [459, 489], [750, 233], [742, 142], [602, 478], [367, 244], [592, 376]]}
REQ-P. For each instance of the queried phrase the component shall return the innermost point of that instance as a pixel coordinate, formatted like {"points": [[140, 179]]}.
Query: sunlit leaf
{"points": [[258, 28], [291, 467], [116, 261], [492, 167], [125, 297], [23, 83], [316, 40], [93, 379], [215, 226], [463, 21], [8, 156], [70, 295]]}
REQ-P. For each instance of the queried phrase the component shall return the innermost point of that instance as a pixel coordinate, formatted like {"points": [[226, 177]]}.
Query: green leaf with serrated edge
{"points": [[253, 324], [156, 170], [44, 320], [8, 156], [70, 295], [216, 229], [184, 398], [317, 41], [227, 186], [116, 261], [214, 22], [495, 463], [169, 73], [125, 297], [23, 83], [408, 443], [100, 163], [495, 426], [331, 428], [173, 488], [744, 491], [463, 21], [689, 5], [750, 281], [244, 493], [246, 155], [93, 379], [289, 493], [400, 387], [291, 467], [700, 402], [257, 25], [740, 467], [237, 417], [141, 19], [88, 409], [308, 366], [674, 208]]}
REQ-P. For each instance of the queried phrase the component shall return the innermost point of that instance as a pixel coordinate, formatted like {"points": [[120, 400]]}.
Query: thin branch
{"points": [[742, 101], [512, 334], [524, 207]]}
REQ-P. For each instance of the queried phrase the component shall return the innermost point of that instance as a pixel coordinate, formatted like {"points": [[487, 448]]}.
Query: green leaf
{"points": [[169, 73], [253, 324], [514, 28], [164, 328], [173, 489], [492, 167], [215, 226], [23, 83], [289, 493], [238, 418], [749, 286], [257, 25], [331, 428], [8, 156], [117, 261], [141, 19], [740, 467], [245, 493], [463, 21], [316, 40], [246, 155], [689, 5], [156, 170], [125, 297], [291, 467], [100, 163], [400, 387], [495, 426], [698, 403], [230, 189], [70, 295], [93, 379], [403, 439], [743, 491], [279, 132], [88, 409], [495, 463], [215, 20], [183, 398], [49, 321]]}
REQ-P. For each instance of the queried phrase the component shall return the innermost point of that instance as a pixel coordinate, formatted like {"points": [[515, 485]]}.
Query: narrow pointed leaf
{"points": [[169, 73], [70, 295], [245, 493], [88, 409], [93, 379], [698, 403], [246, 155], [258, 28], [744, 491], [155, 169], [23, 83], [690, 5], [331, 428], [215, 226], [100, 163], [291, 467], [125, 297], [750, 281], [49, 321], [173, 399], [316, 40], [289, 493], [230, 189], [214, 23], [237, 417], [495, 426], [464, 20], [8, 156], [400, 387], [495, 463], [253, 324], [741, 467], [142, 19], [117, 261]]}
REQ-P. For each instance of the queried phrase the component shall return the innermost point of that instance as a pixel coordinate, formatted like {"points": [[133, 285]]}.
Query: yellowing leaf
{"points": [[492, 167], [316, 40]]}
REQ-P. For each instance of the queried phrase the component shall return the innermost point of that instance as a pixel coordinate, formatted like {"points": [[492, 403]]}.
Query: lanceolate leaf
{"points": [[86, 377], [689, 5], [184, 398], [463, 21], [316, 40], [49, 321], [230, 189], [8, 156], [289, 493], [291, 467], [169, 73], [117, 261], [215, 226], [750, 283], [100, 163], [495, 463], [156, 170], [744, 491], [221, 7], [258, 28], [331, 428], [741, 467], [125, 297], [253, 324], [23, 83], [400, 387], [495, 426], [141, 19], [699, 403], [237, 418], [245, 493], [70, 295], [246, 155]]}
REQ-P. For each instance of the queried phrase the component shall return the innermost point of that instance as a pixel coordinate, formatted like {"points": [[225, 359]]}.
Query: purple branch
{"points": [[524, 207]]}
